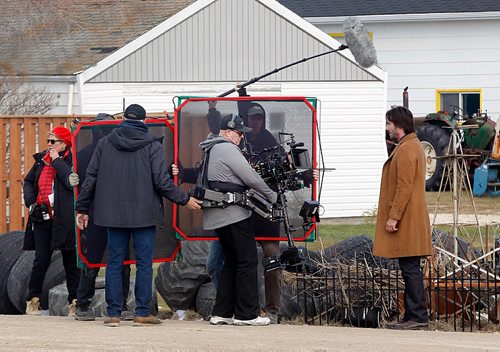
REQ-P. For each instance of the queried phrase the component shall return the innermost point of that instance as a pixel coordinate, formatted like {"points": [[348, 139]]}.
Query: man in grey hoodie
{"points": [[237, 300]]}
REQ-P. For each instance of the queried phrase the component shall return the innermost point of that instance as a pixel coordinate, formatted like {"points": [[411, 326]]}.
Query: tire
{"points": [[20, 275], [295, 303], [359, 247], [205, 300], [179, 282], [434, 140], [11, 249]]}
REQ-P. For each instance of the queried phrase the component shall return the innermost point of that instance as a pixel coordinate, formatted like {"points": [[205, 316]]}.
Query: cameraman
{"points": [[228, 171], [259, 139]]}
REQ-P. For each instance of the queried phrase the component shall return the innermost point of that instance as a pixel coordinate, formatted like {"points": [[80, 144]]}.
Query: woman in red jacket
{"points": [[49, 196]]}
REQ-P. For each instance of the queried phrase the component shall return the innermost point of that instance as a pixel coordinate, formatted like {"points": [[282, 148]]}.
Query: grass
{"points": [[484, 205], [329, 234]]}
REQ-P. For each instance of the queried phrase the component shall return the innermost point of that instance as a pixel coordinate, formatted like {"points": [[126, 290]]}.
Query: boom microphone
{"points": [[359, 42]]}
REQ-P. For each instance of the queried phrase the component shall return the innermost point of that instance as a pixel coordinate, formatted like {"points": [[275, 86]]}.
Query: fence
{"points": [[459, 296], [20, 138]]}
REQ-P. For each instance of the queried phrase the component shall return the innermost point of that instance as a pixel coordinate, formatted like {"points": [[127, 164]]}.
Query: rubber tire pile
{"points": [[186, 284], [15, 270]]}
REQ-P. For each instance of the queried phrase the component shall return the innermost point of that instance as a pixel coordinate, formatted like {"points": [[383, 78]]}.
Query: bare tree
{"points": [[18, 98]]}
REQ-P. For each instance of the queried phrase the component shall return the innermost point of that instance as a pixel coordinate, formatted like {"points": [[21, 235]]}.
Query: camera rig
{"points": [[282, 171]]}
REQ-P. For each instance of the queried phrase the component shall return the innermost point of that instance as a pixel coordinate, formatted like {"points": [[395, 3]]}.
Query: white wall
{"points": [[59, 86], [352, 122], [430, 55]]}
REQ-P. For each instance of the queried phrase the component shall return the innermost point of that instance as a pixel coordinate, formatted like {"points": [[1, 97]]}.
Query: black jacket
{"points": [[127, 176], [63, 221]]}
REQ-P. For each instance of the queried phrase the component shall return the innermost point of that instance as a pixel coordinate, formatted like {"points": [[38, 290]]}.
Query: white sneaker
{"points": [[215, 320], [259, 321]]}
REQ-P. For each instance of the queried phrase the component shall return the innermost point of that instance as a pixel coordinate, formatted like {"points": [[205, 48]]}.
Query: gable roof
{"points": [[207, 35], [61, 37], [337, 8]]}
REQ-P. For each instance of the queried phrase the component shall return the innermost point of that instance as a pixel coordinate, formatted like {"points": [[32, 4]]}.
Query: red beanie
{"points": [[63, 134]]}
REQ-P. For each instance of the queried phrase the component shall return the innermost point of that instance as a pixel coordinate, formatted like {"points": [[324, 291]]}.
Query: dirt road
{"points": [[60, 334]]}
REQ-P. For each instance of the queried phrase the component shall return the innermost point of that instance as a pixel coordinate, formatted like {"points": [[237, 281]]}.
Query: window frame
{"points": [[460, 91]]}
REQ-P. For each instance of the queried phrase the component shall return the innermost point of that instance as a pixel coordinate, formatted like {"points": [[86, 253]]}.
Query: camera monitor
{"points": [[91, 242], [281, 144]]}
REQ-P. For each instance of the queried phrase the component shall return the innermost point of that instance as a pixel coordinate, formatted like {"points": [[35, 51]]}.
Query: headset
{"points": [[231, 124]]}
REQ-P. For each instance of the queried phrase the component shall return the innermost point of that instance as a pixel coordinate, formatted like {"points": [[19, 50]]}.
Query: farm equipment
{"points": [[434, 133], [487, 176]]}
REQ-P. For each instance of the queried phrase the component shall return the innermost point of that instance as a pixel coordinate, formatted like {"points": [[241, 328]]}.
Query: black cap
{"points": [[255, 110], [135, 112], [233, 122], [103, 116]]}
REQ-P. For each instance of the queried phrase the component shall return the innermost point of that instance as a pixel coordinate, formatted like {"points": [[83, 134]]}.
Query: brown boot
{"points": [[33, 307], [72, 309], [144, 321], [112, 322]]}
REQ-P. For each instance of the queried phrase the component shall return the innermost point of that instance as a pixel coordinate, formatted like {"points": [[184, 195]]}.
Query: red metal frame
{"points": [[75, 190], [249, 98]]}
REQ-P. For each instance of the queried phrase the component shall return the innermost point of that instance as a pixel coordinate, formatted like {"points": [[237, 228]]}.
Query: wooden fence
{"points": [[20, 138]]}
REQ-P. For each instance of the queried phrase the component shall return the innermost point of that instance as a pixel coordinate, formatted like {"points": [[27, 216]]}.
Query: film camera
{"points": [[282, 171]]}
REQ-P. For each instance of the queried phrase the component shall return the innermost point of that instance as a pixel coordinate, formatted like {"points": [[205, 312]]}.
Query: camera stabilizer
{"points": [[281, 171]]}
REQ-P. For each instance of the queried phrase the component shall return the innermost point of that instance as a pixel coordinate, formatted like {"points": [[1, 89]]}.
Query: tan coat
{"points": [[402, 197]]}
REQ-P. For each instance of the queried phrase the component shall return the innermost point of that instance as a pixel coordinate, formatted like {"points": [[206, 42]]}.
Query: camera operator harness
{"points": [[278, 170]]}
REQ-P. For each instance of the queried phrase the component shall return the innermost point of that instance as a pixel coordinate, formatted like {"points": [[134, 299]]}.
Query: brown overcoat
{"points": [[402, 197]]}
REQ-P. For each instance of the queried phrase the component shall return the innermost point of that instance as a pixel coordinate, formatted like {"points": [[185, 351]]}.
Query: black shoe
{"points": [[84, 314], [411, 325], [126, 314]]}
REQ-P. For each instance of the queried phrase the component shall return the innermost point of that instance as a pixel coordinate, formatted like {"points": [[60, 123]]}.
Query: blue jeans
{"points": [[118, 241], [215, 262]]}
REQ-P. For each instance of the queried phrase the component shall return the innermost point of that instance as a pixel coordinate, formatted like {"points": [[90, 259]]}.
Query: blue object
{"points": [[487, 179]]}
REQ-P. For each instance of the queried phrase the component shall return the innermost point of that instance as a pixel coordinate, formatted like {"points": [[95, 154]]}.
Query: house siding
{"points": [[229, 40], [430, 55]]}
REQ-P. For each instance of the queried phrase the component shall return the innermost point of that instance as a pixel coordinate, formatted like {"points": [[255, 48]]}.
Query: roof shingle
{"points": [[338, 8], [59, 37]]}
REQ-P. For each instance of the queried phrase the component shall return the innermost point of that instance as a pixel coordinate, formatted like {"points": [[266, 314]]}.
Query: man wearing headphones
{"points": [[227, 170]]}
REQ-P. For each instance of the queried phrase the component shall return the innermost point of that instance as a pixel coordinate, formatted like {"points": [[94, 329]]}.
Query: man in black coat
{"points": [[94, 240], [127, 178]]}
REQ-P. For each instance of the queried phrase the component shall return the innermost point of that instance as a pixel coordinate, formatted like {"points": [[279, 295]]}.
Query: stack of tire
{"points": [[186, 284], [15, 270]]}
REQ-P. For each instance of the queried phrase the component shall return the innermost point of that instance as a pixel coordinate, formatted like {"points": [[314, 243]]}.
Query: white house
{"points": [[446, 52], [208, 46]]}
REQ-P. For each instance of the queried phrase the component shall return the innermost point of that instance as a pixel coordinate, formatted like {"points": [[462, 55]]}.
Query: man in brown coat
{"points": [[403, 227]]}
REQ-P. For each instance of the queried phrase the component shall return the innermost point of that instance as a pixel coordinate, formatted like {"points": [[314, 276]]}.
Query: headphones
{"points": [[231, 124]]}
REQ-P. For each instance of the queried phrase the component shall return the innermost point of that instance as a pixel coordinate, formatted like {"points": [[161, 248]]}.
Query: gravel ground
{"points": [[64, 334]]}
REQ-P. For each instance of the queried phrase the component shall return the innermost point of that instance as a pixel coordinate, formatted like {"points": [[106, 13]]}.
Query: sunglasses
{"points": [[53, 141], [239, 133]]}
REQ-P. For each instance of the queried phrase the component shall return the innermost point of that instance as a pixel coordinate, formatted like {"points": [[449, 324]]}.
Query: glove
{"points": [[73, 179]]}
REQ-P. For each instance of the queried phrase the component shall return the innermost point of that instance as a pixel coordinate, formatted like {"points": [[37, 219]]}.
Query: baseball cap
{"points": [[233, 122], [255, 110], [135, 112]]}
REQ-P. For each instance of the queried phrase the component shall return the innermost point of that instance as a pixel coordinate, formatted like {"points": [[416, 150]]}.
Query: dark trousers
{"points": [[272, 279], [86, 286], [94, 240], [118, 242], [237, 293], [43, 256], [414, 295]]}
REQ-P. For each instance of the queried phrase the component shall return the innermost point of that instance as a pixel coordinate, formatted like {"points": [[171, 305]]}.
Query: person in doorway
{"points": [[127, 178], [403, 226], [48, 194]]}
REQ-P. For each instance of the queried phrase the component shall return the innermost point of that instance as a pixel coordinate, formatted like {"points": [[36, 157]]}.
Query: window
{"points": [[462, 101]]}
